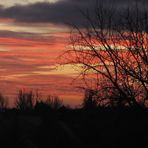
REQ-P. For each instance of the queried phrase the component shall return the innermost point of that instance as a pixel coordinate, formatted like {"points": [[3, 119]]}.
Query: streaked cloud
{"points": [[29, 59], [8, 3]]}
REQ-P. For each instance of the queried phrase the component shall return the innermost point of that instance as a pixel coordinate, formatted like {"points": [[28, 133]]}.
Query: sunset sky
{"points": [[33, 33]]}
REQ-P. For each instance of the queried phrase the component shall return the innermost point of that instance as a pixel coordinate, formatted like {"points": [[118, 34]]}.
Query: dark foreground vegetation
{"points": [[51, 124]]}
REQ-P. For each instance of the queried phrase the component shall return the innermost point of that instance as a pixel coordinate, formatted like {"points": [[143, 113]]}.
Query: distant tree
{"points": [[90, 101], [48, 104], [54, 102], [112, 49], [3, 102], [25, 100]]}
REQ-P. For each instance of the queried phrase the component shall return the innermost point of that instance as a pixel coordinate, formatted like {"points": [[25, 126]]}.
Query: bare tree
{"points": [[113, 49], [25, 100]]}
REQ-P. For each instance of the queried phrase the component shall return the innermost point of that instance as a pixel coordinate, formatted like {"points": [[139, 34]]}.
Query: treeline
{"points": [[28, 100], [37, 124]]}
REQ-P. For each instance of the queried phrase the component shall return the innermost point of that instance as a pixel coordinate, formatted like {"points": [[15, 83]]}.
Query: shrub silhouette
{"points": [[51, 103], [54, 102]]}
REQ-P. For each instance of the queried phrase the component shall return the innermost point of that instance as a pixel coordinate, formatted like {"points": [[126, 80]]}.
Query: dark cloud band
{"points": [[64, 11]]}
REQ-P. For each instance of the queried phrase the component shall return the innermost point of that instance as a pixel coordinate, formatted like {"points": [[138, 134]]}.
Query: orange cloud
{"points": [[31, 63]]}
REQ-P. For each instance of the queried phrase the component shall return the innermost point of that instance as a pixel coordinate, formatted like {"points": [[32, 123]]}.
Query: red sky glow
{"points": [[29, 59]]}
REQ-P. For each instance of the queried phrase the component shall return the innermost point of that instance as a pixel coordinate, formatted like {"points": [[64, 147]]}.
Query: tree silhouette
{"points": [[3, 102], [112, 48], [48, 104], [25, 100], [54, 102], [90, 100]]}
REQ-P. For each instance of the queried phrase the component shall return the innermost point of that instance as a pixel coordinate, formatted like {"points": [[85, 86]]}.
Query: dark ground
{"points": [[67, 128]]}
